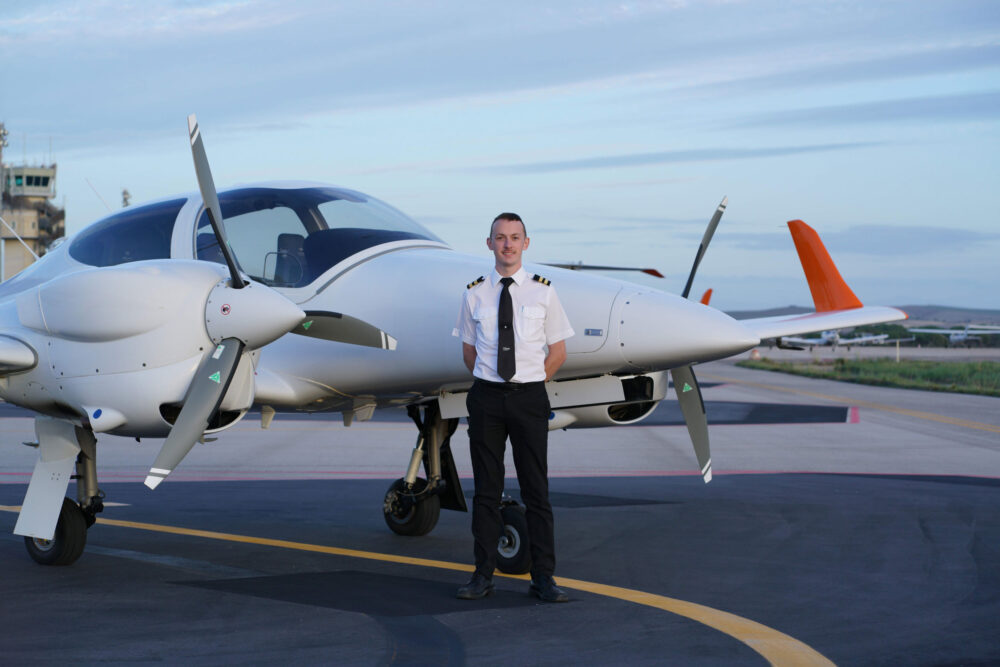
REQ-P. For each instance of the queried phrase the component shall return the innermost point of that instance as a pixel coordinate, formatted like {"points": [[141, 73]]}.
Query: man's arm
{"points": [[469, 356], [555, 358]]}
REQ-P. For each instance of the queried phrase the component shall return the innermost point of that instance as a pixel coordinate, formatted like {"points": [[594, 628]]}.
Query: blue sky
{"points": [[614, 129]]}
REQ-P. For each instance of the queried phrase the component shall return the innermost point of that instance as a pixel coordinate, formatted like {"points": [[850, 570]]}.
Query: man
{"points": [[513, 332]]}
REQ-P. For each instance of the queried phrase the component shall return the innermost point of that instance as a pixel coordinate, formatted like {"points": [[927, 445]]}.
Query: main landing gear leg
{"points": [[58, 442], [413, 504]]}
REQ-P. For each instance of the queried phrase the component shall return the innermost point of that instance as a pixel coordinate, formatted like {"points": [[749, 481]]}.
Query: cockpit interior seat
{"points": [[290, 267]]}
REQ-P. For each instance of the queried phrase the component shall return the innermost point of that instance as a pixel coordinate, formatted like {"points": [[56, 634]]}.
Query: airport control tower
{"points": [[27, 194]]}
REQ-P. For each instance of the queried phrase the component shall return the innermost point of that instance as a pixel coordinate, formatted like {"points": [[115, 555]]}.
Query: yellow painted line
{"points": [[930, 416], [776, 647]]}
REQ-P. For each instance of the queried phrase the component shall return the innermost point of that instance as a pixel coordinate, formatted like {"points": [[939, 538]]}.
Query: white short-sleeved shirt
{"points": [[539, 321]]}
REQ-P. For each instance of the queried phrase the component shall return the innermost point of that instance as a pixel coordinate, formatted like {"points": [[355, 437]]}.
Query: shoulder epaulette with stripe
{"points": [[475, 282], [539, 279]]}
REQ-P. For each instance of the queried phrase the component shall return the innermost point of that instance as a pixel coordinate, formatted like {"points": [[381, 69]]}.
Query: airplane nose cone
{"points": [[658, 331], [256, 314]]}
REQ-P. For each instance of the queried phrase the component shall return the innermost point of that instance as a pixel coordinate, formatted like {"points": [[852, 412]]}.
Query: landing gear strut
{"points": [[413, 504], [75, 518]]}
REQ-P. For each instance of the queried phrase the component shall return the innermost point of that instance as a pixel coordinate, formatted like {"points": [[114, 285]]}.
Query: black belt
{"points": [[509, 386]]}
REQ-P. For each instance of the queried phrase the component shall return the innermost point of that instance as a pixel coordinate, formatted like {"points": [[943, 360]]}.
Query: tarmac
{"points": [[845, 524]]}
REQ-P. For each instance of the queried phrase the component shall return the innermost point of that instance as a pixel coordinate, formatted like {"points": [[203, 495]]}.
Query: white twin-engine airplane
{"points": [[832, 338], [170, 320]]}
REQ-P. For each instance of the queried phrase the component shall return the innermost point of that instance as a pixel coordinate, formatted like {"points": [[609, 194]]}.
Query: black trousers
{"points": [[520, 412]]}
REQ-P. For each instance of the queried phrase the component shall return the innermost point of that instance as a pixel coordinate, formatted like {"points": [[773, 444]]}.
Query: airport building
{"points": [[32, 220]]}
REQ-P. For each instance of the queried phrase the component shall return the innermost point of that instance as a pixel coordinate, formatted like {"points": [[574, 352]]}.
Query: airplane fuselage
{"points": [[394, 275]]}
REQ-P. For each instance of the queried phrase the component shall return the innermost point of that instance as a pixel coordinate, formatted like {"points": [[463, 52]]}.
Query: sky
{"points": [[613, 128]]}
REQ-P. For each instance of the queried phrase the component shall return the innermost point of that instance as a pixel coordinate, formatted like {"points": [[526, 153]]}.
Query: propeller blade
{"points": [[343, 329], [211, 199], [693, 409], [705, 240], [201, 401]]}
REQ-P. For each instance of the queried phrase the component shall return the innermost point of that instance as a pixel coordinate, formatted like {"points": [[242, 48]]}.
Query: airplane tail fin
{"points": [[829, 290]]}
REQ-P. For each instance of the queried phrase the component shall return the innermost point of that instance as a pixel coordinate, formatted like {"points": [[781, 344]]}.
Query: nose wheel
{"points": [[513, 551]]}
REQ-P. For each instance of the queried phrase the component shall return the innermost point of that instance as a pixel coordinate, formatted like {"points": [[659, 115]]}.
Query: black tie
{"points": [[505, 323]]}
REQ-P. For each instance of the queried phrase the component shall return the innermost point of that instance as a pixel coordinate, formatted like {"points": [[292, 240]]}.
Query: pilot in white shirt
{"points": [[513, 332]]}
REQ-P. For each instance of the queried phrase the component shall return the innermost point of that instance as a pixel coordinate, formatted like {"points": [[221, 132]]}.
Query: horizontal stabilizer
{"points": [[580, 266]]}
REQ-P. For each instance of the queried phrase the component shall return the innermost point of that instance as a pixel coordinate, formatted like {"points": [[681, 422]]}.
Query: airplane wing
{"points": [[837, 307]]}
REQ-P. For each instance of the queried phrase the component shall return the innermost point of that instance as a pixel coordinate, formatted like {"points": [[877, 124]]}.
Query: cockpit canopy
{"points": [[289, 237], [284, 237]]}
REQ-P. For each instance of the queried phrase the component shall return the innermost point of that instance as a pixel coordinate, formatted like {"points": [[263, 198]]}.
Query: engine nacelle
{"points": [[642, 393], [614, 414]]}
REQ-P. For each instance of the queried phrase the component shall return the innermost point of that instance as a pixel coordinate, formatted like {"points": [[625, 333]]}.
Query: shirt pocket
{"points": [[530, 323], [486, 325]]}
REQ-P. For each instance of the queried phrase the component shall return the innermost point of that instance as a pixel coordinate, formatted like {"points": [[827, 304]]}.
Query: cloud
{"points": [[927, 62], [670, 157], [937, 108]]}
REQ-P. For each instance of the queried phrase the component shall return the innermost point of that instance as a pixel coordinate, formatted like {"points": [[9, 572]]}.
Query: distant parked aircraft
{"points": [[972, 332], [831, 338]]}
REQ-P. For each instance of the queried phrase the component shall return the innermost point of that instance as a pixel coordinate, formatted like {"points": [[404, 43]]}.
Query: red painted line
{"points": [[854, 415]]}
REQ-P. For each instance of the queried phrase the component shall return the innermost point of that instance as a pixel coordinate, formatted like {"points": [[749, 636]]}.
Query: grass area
{"points": [[968, 377]]}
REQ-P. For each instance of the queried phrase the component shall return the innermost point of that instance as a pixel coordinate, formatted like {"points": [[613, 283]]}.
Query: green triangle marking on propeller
{"points": [[686, 388], [215, 377], [306, 325]]}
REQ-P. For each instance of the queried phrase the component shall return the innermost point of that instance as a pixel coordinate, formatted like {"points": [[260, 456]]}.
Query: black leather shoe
{"points": [[479, 586], [544, 586]]}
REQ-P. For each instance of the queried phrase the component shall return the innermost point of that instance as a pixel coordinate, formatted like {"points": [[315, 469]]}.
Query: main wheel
{"points": [[411, 513], [68, 542], [514, 552]]}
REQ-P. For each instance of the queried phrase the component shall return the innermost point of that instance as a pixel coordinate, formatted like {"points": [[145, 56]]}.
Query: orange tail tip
{"points": [[707, 296], [829, 291]]}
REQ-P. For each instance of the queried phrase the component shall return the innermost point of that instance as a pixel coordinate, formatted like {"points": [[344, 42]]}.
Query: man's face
{"points": [[507, 241]]}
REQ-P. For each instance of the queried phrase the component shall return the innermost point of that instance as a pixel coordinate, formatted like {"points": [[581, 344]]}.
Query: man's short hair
{"points": [[513, 217]]}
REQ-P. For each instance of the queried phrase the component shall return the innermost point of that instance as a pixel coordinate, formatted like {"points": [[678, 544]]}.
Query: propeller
{"points": [[685, 383], [705, 240], [203, 397], [211, 199], [343, 329], [241, 316], [693, 408]]}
